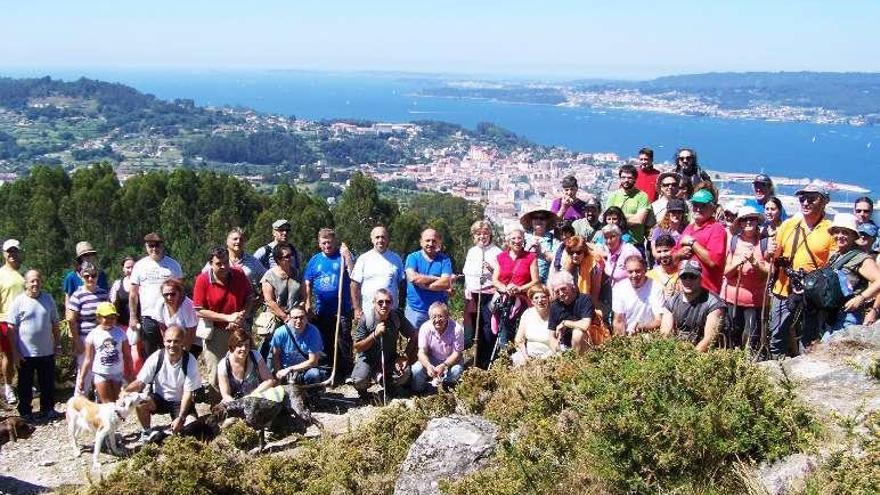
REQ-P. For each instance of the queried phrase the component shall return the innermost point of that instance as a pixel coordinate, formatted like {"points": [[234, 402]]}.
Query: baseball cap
{"points": [[106, 309], [762, 179], [280, 223], [11, 244], [690, 267], [703, 196], [675, 204], [813, 187]]}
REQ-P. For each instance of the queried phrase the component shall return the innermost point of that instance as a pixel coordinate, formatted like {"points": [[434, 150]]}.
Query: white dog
{"points": [[100, 419]]}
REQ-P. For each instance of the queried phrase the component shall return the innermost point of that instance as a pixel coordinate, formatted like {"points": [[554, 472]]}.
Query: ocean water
{"points": [[832, 152]]}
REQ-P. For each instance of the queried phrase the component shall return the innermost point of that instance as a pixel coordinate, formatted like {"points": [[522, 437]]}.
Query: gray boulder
{"points": [[450, 447]]}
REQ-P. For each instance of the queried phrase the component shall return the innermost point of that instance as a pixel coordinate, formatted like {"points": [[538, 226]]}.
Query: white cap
{"points": [[11, 243]]}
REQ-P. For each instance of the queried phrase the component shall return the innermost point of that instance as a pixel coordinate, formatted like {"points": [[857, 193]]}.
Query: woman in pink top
{"points": [[616, 254], [745, 279], [517, 272]]}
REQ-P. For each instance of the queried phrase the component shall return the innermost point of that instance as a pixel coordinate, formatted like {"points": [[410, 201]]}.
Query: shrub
{"points": [[851, 471], [634, 416]]}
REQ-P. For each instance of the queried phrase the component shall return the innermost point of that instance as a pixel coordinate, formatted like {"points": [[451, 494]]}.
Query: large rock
{"points": [[449, 448]]}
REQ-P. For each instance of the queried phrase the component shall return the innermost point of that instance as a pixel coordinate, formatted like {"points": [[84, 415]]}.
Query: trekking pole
{"points": [[384, 370], [736, 307], [479, 316], [329, 381]]}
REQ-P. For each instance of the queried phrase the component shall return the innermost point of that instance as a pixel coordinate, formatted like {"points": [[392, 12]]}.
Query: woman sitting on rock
{"points": [[533, 337], [242, 371], [859, 270]]}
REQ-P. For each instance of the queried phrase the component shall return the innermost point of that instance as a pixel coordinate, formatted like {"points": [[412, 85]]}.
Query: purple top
{"points": [[576, 211], [439, 347]]}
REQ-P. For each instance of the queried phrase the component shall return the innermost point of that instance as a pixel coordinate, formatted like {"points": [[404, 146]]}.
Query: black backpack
{"points": [[822, 286]]}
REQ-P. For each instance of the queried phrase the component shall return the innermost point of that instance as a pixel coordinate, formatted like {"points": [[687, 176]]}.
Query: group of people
{"points": [[663, 256]]}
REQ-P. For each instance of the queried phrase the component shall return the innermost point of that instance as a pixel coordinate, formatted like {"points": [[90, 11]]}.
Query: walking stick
{"points": [[329, 381], [479, 317], [384, 370]]}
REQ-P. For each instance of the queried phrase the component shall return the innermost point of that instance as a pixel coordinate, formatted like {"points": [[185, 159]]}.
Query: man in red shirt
{"points": [[704, 241], [647, 178], [222, 297]]}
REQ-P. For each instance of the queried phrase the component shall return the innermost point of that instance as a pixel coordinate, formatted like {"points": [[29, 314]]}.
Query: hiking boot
{"points": [[49, 416]]}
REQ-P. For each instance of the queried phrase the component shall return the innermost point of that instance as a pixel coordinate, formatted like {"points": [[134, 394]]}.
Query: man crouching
{"points": [[173, 376]]}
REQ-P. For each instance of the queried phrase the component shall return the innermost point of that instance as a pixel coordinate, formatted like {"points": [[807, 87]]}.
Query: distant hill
{"points": [[850, 93]]}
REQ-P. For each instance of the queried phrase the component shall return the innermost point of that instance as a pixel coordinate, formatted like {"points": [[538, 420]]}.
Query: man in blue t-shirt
{"points": [[322, 280], [296, 349], [429, 278]]}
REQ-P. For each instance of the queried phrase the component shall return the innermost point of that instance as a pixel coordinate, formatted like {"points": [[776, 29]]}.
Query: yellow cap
{"points": [[106, 309]]}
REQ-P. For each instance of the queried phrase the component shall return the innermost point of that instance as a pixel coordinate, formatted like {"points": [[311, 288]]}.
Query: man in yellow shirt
{"points": [[11, 285], [801, 242]]}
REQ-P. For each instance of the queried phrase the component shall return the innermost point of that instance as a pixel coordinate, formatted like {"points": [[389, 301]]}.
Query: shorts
{"points": [[167, 407], [112, 377], [5, 344]]}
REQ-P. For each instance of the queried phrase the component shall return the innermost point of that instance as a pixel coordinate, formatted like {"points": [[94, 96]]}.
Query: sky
{"points": [[622, 39]]}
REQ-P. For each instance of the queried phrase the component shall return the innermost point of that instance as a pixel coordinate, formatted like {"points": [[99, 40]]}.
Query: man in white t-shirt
{"points": [[173, 380], [378, 268], [147, 277], [637, 304]]}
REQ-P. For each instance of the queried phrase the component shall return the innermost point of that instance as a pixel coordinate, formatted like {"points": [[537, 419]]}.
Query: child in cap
{"points": [[106, 355]]}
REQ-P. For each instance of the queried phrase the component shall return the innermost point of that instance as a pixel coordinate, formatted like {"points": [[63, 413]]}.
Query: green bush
{"points": [[634, 416]]}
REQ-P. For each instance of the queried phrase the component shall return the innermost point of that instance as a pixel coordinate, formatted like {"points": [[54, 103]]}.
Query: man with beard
{"points": [[633, 202], [687, 167], [591, 223], [693, 315], [665, 272]]}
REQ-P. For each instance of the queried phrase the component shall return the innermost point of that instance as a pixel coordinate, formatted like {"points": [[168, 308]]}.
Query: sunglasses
{"points": [[668, 184], [169, 294], [89, 276], [685, 158], [153, 244], [384, 302], [808, 198], [688, 276], [862, 211]]}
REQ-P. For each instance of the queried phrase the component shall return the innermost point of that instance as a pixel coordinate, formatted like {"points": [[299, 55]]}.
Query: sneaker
{"points": [[10, 396]]}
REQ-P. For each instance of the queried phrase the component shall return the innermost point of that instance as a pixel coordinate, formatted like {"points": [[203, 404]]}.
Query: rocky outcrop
{"points": [[832, 380], [450, 447]]}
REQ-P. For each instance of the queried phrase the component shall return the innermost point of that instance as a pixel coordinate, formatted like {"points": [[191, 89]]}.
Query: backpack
{"points": [[183, 365], [822, 287], [735, 238]]}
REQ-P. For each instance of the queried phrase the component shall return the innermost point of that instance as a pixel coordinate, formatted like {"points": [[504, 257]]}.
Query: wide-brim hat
{"points": [[526, 220], [844, 221], [746, 212], [83, 248]]}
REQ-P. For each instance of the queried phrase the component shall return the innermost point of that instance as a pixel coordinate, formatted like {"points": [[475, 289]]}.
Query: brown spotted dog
{"points": [[100, 419]]}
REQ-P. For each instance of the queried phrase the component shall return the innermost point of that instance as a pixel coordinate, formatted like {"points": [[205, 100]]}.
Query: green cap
{"points": [[702, 196]]}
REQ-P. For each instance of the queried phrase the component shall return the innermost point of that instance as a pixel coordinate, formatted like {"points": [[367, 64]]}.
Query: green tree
{"points": [[359, 210]]}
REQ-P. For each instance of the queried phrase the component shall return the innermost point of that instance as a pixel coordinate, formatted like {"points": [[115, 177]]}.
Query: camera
{"points": [[782, 262]]}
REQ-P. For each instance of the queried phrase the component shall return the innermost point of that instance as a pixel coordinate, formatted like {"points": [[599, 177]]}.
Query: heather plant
{"points": [[854, 470], [637, 415]]}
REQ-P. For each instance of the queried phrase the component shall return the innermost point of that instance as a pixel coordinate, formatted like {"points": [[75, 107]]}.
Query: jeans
{"points": [[471, 315], [841, 321], [326, 324], [151, 334], [310, 376], [44, 366], [420, 376], [743, 328], [415, 317], [784, 330]]}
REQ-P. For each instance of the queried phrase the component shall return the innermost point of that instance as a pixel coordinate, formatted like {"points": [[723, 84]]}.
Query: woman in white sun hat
{"points": [[859, 274]]}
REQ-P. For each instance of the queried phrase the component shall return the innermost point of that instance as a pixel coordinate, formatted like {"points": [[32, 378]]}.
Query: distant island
{"points": [[817, 97]]}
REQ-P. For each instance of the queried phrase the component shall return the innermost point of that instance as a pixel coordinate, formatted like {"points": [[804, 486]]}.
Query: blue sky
{"points": [[633, 39]]}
